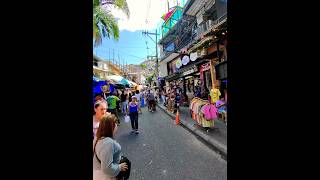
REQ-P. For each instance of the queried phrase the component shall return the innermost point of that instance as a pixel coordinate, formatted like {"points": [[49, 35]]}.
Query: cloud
{"points": [[142, 17]]}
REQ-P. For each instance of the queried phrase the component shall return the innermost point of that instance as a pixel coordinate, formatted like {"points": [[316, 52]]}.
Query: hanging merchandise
{"points": [[203, 112], [215, 95], [185, 60]]}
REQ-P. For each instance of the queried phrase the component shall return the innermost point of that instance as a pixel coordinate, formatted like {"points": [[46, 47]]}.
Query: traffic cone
{"points": [[177, 118]]}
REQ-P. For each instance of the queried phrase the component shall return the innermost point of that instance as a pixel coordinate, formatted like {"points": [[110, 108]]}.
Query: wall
{"points": [[221, 7], [163, 70]]}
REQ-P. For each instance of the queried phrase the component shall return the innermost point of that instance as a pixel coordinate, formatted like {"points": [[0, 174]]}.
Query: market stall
{"points": [[203, 112]]}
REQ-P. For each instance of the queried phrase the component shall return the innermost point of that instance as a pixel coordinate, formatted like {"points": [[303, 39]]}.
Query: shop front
{"points": [[188, 77]]}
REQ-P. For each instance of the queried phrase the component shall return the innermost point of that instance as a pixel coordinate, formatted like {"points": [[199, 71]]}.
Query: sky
{"points": [[132, 45]]}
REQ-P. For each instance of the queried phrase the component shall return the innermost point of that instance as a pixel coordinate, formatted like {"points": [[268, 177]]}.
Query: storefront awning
{"points": [[206, 39], [187, 70]]}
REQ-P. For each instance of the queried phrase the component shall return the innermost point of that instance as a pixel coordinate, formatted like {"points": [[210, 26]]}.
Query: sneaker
{"points": [[137, 132], [133, 131], [150, 110]]}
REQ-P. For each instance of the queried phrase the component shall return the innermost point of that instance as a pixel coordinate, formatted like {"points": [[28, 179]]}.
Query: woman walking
{"points": [[133, 113]]}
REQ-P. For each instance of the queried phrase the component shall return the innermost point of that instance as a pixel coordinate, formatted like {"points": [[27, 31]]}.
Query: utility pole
{"points": [[156, 56], [113, 57], [123, 65], [147, 50], [118, 61]]}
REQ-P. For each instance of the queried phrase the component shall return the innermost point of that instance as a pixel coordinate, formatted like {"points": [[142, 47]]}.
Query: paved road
{"points": [[164, 151]]}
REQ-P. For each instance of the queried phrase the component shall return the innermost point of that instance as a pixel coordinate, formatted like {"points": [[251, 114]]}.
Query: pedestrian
{"points": [[124, 101], [152, 101], [177, 102], [133, 113], [107, 151], [138, 96], [112, 105], [171, 101], [163, 96], [100, 110]]}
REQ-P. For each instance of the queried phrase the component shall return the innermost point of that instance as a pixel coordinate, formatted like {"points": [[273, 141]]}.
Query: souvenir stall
{"points": [[100, 87], [203, 112]]}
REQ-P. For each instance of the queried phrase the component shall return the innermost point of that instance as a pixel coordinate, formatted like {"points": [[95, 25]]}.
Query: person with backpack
{"points": [[151, 101]]}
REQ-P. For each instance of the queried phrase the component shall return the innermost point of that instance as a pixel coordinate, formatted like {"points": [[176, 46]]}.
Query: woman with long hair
{"points": [[107, 151]]}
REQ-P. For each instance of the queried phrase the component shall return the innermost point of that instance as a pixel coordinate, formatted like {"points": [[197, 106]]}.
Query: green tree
{"points": [[104, 23], [143, 66]]}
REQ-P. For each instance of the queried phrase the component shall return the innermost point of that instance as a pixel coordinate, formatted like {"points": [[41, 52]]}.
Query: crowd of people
{"points": [[108, 160]]}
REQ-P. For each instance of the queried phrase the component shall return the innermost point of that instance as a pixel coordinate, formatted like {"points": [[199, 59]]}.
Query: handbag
{"points": [[127, 119], [123, 175]]}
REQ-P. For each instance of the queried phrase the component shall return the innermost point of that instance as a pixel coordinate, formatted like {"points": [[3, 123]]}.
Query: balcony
{"points": [[207, 26]]}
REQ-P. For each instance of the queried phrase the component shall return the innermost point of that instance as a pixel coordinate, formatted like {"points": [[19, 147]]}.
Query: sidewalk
{"points": [[216, 137]]}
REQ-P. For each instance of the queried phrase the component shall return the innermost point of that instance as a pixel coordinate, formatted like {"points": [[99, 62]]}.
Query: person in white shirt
{"points": [[138, 96]]}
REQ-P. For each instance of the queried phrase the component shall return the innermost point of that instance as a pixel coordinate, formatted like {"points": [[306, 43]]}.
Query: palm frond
{"points": [[122, 5], [104, 23]]}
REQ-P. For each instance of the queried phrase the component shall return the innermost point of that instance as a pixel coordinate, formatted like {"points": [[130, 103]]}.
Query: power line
{"points": [[126, 53], [130, 47]]}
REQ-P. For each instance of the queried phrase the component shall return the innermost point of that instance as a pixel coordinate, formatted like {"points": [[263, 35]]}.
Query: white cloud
{"points": [[138, 14]]}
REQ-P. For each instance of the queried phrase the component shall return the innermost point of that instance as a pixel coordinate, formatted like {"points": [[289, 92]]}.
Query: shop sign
{"points": [[194, 69], [212, 49], [185, 60], [170, 47], [178, 63], [193, 56]]}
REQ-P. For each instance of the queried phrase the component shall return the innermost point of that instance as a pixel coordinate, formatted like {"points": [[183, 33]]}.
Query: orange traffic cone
{"points": [[177, 118]]}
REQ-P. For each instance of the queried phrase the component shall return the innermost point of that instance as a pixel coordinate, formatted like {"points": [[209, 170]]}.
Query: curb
{"points": [[217, 146]]}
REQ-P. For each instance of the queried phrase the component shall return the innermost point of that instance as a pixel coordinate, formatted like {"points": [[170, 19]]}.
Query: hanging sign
{"points": [[178, 63], [194, 69], [185, 60], [193, 56]]}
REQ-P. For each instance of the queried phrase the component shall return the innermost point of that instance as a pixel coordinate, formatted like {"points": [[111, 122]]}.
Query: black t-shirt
{"points": [[123, 97], [130, 97]]}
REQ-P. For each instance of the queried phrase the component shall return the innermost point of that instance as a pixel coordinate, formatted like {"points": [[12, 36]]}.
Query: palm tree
{"points": [[104, 23]]}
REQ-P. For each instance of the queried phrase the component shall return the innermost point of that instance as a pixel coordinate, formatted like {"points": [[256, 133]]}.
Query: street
{"points": [[164, 150]]}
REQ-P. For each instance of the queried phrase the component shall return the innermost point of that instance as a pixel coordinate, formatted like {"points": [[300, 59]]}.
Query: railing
{"points": [[208, 25]]}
